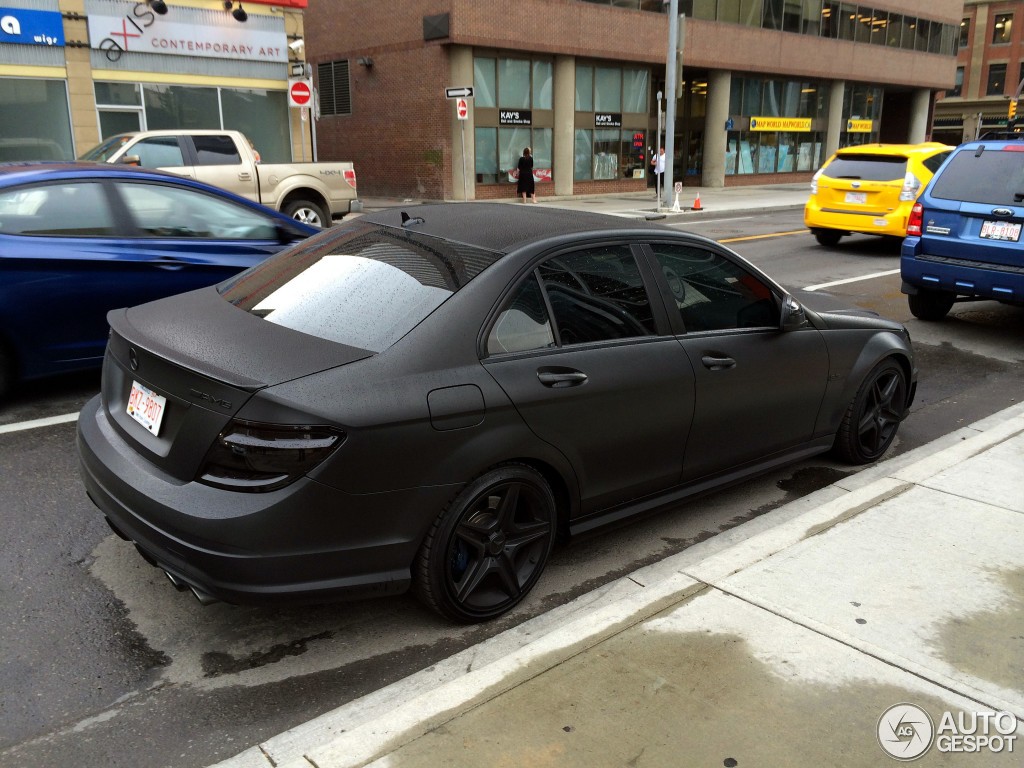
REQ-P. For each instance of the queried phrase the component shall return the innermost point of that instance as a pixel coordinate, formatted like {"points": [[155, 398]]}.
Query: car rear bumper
{"points": [[961, 277], [892, 223], [307, 542]]}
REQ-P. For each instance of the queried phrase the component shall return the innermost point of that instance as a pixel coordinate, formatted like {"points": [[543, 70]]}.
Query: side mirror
{"points": [[793, 315], [131, 160]]}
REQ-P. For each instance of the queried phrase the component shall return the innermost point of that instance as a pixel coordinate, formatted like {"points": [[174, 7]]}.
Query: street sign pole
{"points": [[462, 95], [671, 73]]}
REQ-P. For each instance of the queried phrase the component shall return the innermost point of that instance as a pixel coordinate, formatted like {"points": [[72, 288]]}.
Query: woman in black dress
{"points": [[525, 185]]}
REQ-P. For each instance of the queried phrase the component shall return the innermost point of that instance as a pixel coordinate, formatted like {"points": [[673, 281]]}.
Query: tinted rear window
{"points": [[358, 284], [867, 167], [992, 178]]}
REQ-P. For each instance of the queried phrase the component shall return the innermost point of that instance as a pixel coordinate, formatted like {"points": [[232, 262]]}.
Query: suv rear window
{"points": [[989, 177], [867, 167], [357, 284]]}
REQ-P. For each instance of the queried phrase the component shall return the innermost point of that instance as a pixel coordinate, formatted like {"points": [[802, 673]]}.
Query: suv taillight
{"points": [[911, 186], [814, 181], [916, 219]]}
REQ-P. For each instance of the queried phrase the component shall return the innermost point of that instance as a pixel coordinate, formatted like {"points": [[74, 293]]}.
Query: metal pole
{"points": [[670, 92], [657, 153], [465, 180]]}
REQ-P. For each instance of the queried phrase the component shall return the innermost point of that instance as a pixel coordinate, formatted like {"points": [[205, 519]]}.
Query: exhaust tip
{"points": [[203, 598], [179, 585]]}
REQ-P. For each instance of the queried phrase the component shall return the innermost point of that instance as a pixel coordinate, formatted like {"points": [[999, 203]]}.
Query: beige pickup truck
{"points": [[313, 193]]}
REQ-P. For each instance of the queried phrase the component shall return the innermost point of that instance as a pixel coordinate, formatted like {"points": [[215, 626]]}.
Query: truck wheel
{"points": [[307, 213], [930, 305]]}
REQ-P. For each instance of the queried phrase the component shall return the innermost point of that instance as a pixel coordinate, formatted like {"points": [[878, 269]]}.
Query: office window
{"points": [[1002, 29], [996, 80], [965, 32], [957, 89]]}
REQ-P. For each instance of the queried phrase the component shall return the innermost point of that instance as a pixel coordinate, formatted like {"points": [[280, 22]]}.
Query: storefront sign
{"points": [[539, 175], [515, 117], [780, 124], [608, 120], [860, 126], [140, 31], [24, 27]]}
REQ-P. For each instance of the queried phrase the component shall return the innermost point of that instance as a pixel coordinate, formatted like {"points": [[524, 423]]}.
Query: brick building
{"points": [[989, 69], [768, 89]]}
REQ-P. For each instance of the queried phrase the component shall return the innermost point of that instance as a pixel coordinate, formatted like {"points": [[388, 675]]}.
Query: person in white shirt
{"points": [[658, 164]]}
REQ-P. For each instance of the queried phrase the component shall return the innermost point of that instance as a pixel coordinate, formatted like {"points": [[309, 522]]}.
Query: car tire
{"points": [[930, 305], [486, 551], [307, 213], [871, 421], [827, 237]]}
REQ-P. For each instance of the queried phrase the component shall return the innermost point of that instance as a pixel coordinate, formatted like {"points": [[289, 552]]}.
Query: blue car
{"points": [[964, 235], [80, 239]]}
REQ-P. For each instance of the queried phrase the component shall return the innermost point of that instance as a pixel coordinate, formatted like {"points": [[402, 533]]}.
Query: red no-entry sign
{"points": [[462, 109], [300, 93]]}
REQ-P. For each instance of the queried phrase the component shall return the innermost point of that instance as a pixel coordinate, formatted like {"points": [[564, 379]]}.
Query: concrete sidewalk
{"points": [[788, 641], [642, 205]]}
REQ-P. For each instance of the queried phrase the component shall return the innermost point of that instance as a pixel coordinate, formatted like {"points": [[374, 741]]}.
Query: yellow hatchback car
{"points": [[870, 189]]}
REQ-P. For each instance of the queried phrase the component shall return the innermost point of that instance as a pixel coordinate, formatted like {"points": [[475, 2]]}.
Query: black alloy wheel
{"points": [[872, 419], [487, 550]]}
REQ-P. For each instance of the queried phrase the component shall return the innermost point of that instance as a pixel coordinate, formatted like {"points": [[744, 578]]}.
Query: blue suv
{"points": [[964, 235]]}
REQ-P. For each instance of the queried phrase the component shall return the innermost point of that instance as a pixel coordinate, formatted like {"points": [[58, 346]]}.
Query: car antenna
{"points": [[411, 221]]}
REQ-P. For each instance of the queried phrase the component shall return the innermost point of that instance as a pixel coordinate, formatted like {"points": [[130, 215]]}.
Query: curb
{"points": [[382, 722]]}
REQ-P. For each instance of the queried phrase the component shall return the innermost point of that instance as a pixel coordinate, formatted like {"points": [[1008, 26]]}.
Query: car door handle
{"points": [[713, 363], [169, 263], [561, 378], [245, 176]]}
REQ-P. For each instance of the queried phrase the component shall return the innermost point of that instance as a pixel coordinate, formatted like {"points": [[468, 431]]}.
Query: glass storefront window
{"points": [[608, 89], [513, 84], [584, 88], [607, 153], [583, 156], [181, 106], [263, 117], [486, 151], [610, 153], [542, 84], [35, 122], [635, 89], [118, 94], [485, 82], [498, 151]]}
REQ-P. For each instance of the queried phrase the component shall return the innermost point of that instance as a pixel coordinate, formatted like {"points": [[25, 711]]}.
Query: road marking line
{"points": [[762, 237], [872, 276], [36, 423]]}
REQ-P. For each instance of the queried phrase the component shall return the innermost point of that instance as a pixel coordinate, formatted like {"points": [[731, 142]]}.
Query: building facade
{"points": [[73, 72], [988, 72], [768, 88]]}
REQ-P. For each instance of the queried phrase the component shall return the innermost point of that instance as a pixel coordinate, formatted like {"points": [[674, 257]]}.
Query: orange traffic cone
{"points": [[696, 203]]}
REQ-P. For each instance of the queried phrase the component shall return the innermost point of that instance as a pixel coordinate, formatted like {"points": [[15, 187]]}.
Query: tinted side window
{"points": [[597, 295], [713, 293], [992, 177], [56, 210], [933, 162], [867, 167], [158, 152], [524, 324], [165, 211], [216, 150]]}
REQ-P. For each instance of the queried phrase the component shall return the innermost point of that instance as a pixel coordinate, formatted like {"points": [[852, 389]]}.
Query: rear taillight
{"points": [[255, 458], [916, 219], [911, 188], [350, 177], [814, 181]]}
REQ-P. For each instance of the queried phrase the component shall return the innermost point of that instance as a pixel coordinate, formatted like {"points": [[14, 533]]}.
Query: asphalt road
{"points": [[103, 663]]}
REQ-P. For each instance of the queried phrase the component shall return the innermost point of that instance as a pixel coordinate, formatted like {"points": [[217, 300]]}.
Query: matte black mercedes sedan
{"points": [[431, 397]]}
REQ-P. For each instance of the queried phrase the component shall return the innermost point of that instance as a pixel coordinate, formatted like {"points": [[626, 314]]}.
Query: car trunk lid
{"points": [[177, 371]]}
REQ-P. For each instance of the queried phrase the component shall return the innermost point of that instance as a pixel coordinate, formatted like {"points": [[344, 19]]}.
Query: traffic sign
{"points": [[300, 93], [462, 109], [465, 92]]}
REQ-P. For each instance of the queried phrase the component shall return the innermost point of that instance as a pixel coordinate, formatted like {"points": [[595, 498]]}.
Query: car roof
{"points": [[928, 147], [503, 227], [15, 172]]}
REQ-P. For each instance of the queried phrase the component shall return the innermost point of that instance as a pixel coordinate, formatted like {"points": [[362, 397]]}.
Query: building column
{"points": [[715, 134], [463, 181], [919, 106], [836, 95], [564, 134]]}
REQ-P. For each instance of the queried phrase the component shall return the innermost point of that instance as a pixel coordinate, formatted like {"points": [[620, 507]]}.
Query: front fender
{"points": [[847, 371]]}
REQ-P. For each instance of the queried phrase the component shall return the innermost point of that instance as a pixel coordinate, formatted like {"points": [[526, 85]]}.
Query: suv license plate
{"points": [[857, 198], [1000, 230], [146, 407]]}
